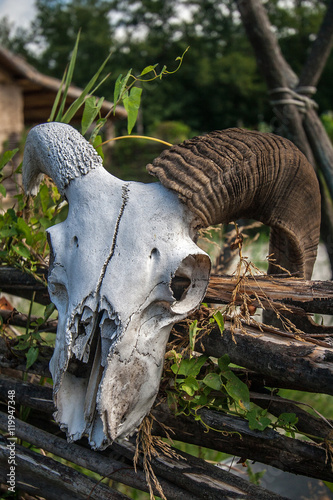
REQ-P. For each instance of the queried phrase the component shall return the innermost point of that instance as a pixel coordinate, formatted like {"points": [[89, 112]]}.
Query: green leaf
{"points": [[7, 232], [92, 107], [148, 69], [21, 250], [31, 356], [119, 88], [223, 362], [3, 190], [97, 145], [196, 365], [49, 309], [257, 421], [189, 366], [44, 196], [24, 229], [6, 157], [184, 367], [190, 385], [237, 390], [288, 419], [193, 330], [45, 223], [201, 399], [213, 380], [132, 104], [116, 92], [219, 320]]}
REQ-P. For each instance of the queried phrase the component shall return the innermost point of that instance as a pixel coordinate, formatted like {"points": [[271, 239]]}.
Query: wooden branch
{"points": [[16, 318], [233, 435], [91, 460], [300, 363], [309, 296], [297, 294], [11, 360], [185, 472], [320, 51], [275, 69], [269, 57], [16, 282], [321, 146], [196, 475], [43, 476]]}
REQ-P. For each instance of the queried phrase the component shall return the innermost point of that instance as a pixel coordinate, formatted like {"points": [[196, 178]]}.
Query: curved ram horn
{"points": [[232, 174]]}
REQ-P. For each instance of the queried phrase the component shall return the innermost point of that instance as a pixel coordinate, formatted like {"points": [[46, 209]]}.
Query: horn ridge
{"points": [[61, 152], [231, 174]]}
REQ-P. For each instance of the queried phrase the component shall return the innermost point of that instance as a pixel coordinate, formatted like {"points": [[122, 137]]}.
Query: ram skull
{"points": [[117, 259]]}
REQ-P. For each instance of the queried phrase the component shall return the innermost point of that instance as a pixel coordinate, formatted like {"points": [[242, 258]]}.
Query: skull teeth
{"points": [[88, 323]]}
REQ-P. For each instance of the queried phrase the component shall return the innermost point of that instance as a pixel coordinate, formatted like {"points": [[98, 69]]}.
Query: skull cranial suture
{"points": [[116, 258]]}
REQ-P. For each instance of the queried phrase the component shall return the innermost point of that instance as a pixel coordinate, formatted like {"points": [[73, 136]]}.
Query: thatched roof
{"points": [[39, 90]]}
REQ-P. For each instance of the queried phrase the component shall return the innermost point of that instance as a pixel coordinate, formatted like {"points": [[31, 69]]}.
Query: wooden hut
{"points": [[27, 96]]}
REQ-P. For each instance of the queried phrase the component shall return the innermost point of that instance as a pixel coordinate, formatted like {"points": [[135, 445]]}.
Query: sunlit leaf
{"points": [[92, 107], [75, 106], [132, 104], [97, 145], [148, 69], [189, 366], [190, 385], [193, 330], [237, 390], [219, 320]]}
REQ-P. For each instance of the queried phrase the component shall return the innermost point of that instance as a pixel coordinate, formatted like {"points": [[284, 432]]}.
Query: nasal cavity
{"points": [[179, 286]]}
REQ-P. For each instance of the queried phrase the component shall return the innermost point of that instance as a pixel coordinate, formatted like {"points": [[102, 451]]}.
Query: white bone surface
{"points": [[113, 262]]}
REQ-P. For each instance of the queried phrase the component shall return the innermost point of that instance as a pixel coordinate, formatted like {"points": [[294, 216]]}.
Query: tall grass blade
{"points": [[56, 101], [68, 79], [80, 100]]}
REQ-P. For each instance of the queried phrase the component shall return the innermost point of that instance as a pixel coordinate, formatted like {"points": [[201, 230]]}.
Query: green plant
{"points": [[197, 382]]}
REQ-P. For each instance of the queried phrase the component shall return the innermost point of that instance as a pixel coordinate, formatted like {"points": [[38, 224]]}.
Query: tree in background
{"points": [[219, 85]]}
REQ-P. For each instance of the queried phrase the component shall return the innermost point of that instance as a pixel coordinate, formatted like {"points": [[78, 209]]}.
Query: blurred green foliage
{"points": [[219, 85]]}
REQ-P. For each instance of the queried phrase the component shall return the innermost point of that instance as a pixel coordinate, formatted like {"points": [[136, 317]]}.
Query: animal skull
{"points": [[117, 257], [114, 262]]}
